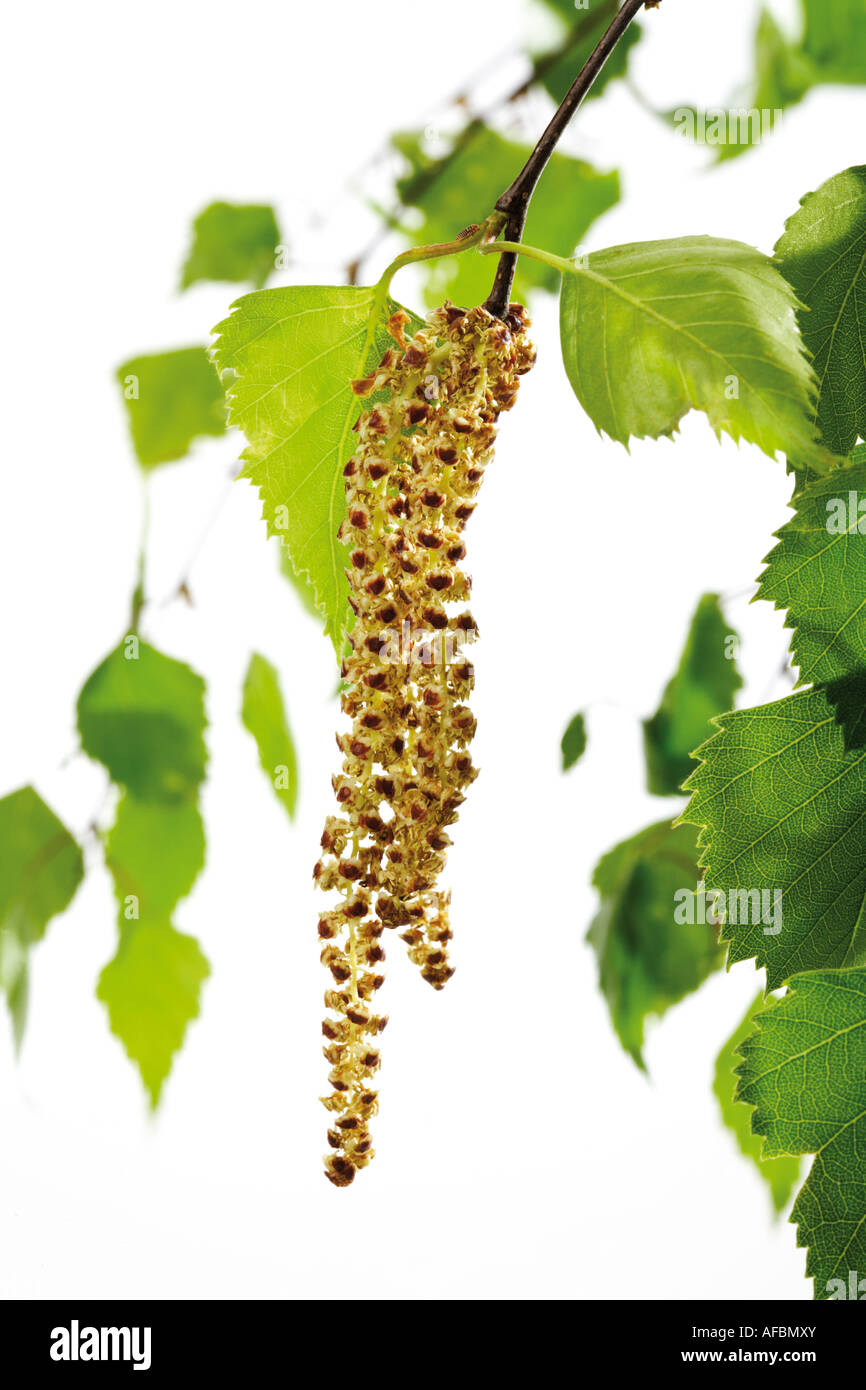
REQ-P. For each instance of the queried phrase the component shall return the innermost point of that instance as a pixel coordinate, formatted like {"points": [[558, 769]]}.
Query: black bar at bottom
{"points": [[157, 1339]]}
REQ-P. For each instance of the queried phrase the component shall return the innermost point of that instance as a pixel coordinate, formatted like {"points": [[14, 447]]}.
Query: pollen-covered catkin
{"points": [[422, 448]]}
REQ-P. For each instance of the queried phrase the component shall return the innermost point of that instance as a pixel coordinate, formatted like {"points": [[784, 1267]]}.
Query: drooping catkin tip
{"points": [[339, 1170]]}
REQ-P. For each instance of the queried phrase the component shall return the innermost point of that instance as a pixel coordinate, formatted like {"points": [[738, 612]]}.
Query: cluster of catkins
{"points": [[422, 447]]}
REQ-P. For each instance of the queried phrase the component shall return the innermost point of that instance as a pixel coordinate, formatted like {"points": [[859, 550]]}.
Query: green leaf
{"points": [[567, 11], [573, 742], [463, 186], [835, 39], [151, 990], [782, 76], [647, 960], [232, 241], [15, 983], [587, 27], [155, 852], [848, 698], [782, 811], [704, 685], [817, 572], [780, 1174], [264, 714], [40, 869], [142, 715], [151, 987], [293, 353], [40, 865], [804, 1070], [822, 254], [652, 330], [832, 48], [171, 398]]}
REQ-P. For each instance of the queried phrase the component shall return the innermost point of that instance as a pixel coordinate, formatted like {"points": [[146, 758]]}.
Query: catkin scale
{"points": [[422, 448]]}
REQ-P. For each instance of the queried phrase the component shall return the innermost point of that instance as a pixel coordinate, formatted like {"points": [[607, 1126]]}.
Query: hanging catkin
{"points": [[422, 448]]}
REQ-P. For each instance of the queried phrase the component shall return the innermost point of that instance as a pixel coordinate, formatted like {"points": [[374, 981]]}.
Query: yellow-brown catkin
{"points": [[411, 484]]}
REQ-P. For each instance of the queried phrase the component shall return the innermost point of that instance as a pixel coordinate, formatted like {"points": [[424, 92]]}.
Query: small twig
{"points": [[424, 180], [514, 202], [459, 100], [92, 829], [783, 672], [748, 591], [138, 594], [478, 234], [182, 587]]}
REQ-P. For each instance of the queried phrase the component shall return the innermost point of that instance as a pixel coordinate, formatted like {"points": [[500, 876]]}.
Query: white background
{"points": [[520, 1153]]}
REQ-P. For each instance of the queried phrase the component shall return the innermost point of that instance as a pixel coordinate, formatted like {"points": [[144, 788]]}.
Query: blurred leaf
{"points": [[704, 685], [782, 76], [831, 48], [171, 398], [151, 987], [821, 255], [155, 852], [780, 1174], [587, 27], [567, 11], [15, 983], [151, 990], [232, 241], [294, 352], [693, 323], [142, 715], [41, 866], [573, 742], [835, 39], [804, 1070], [463, 186], [848, 698], [264, 714], [647, 960]]}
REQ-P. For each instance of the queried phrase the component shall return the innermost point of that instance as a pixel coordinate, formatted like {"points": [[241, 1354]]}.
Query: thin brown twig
{"points": [[514, 202], [425, 179]]}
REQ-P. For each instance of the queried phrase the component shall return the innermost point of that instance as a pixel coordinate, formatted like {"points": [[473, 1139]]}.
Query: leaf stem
{"points": [[514, 202], [535, 253], [481, 235], [138, 594]]}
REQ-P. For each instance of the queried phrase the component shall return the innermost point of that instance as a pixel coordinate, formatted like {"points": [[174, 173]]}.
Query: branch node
{"points": [[515, 200]]}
